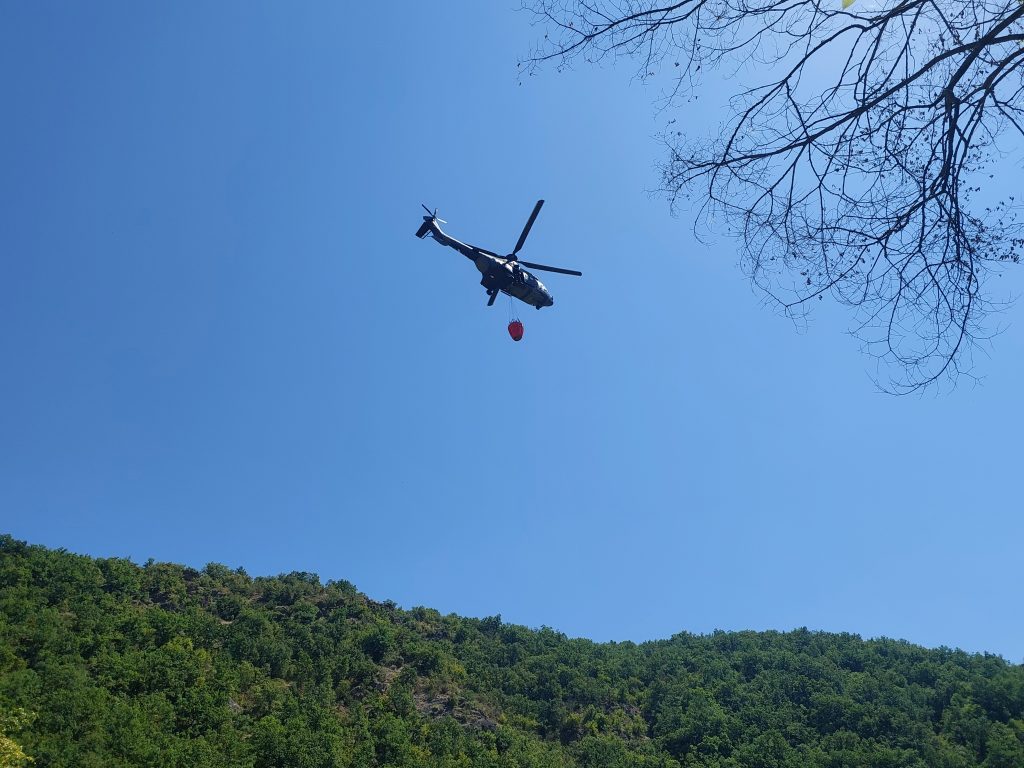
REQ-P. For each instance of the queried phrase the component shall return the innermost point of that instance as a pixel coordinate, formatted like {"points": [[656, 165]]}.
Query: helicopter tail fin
{"points": [[424, 228]]}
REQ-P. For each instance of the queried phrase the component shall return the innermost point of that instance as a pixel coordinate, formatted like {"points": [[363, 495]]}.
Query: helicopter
{"points": [[501, 274]]}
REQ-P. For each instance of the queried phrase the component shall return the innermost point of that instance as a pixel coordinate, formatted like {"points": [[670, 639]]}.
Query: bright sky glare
{"points": [[221, 342]]}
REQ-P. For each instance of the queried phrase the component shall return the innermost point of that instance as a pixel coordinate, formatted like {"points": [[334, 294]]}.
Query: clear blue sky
{"points": [[220, 341]]}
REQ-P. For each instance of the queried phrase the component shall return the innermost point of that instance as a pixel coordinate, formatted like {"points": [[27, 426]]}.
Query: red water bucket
{"points": [[515, 330]]}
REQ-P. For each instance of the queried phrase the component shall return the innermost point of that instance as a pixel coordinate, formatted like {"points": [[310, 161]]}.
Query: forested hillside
{"points": [[107, 663]]}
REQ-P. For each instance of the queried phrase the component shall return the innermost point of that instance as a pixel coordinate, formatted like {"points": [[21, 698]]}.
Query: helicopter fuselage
{"points": [[498, 273]]}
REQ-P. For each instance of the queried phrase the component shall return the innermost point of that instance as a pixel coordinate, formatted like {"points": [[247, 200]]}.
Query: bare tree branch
{"points": [[851, 171]]}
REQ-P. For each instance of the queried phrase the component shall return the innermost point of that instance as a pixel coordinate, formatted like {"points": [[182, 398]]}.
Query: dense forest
{"points": [[107, 663]]}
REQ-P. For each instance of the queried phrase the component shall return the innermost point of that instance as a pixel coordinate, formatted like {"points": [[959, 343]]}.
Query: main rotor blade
{"points": [[531, 265], [526, 229]]}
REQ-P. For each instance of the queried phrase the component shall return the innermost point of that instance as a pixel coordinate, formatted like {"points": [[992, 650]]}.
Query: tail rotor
{"points": [[432, 216], [428, 221]]}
